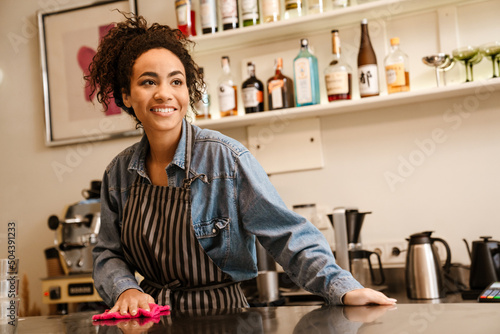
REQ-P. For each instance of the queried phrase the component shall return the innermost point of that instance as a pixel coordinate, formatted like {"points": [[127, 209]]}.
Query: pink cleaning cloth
{"points": [[155, 310]]}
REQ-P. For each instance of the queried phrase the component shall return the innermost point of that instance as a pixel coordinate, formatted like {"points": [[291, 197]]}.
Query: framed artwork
{"points": [[68, 40]]}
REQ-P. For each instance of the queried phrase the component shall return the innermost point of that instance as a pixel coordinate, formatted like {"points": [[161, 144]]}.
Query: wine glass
{"points": [[470, 55], [441, 62], [492, 50]]}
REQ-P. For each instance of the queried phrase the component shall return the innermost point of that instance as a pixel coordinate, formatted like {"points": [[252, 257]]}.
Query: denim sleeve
{"points": [[295, 243], [111, 273]]}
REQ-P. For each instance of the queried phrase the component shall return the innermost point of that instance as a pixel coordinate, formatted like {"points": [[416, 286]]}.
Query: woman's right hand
{"points": [[130, 300]]}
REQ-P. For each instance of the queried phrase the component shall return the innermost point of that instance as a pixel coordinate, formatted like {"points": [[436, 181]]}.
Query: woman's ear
{"points": [[125, 98]]}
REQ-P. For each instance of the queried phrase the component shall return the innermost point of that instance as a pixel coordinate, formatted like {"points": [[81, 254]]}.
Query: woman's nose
{"points": [[163, 93]]}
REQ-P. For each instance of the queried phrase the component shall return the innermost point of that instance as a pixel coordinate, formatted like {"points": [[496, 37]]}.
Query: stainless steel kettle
{"points": [[424, 273]]}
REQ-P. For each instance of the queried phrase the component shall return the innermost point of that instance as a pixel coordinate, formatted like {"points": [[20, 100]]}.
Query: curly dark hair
{"points": [[111, 67]]}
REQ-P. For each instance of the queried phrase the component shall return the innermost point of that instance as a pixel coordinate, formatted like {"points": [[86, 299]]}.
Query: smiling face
{"points": [[158, 91]]}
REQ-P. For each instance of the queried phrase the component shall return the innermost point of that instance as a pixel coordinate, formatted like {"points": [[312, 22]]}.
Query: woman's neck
{"points": [[162, 146]]}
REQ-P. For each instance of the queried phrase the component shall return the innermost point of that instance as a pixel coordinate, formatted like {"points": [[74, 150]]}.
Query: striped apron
{"points": [[159, 242]]}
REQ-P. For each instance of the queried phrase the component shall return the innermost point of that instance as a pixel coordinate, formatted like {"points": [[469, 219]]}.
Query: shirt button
{"points": [[214, 230]]}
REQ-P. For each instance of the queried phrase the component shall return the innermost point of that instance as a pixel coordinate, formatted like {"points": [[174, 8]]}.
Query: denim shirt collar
{"points": [[138, 160]]}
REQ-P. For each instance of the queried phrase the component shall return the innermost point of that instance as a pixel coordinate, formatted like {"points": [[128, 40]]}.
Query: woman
{"points": [[183, 206]]}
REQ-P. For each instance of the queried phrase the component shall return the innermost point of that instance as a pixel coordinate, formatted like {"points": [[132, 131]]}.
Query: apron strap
{"points": [[190, 139]]}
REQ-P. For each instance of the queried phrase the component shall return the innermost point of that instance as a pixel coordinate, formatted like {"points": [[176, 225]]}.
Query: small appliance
{"points": [[485, 263], [424, 273], [349, 252]]}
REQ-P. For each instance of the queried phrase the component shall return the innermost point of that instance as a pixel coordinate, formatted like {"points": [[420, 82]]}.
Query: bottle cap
{"points": [[364, 21], [335, 30], [304, 42], [395, 41]]}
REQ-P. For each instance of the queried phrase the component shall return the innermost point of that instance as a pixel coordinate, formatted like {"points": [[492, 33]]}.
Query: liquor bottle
{"points": [[338, 74], [397, 69], [208, 16], [203, 106], [271, 10], [250, 12], [185, 17], [367, 65], [280, 89], [305, 76], [294, 8], [252, 91], [229, 14], [315, 6], [228, 98]]}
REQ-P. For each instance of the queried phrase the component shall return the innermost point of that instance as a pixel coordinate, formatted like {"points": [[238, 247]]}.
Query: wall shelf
{"points": [[274, 31], [477, 88]]}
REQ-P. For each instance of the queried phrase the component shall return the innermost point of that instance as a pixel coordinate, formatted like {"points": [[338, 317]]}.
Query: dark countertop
{"points": [[402, 318]]}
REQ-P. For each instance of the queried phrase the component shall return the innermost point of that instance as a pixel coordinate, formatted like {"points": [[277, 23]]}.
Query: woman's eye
{"points": [[148, 82], [177, 82]]}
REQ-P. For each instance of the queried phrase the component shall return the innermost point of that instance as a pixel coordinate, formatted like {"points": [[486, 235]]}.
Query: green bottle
{"points": [[306, 77]]}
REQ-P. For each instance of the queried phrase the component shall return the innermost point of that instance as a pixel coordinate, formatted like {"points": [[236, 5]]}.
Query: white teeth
{"points": [[166, 110]]}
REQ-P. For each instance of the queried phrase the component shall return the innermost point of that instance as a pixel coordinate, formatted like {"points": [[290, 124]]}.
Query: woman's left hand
{"points": [[367, 296]]}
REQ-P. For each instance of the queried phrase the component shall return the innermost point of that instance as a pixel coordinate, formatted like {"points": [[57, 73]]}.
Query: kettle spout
{"points": [[468, 249]]}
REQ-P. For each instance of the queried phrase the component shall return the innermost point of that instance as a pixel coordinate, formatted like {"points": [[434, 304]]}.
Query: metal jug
{"points": [[424, 274]]}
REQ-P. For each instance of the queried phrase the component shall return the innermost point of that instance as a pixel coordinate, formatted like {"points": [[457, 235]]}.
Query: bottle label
{"points": [[303, 81], [395, 74], [293, 4], [208, 13], [368, 79], [275, 90], [270, 7], [229, 11], [227, 98], [251, 97], [249, 10], [337, 83], [181, 8]]}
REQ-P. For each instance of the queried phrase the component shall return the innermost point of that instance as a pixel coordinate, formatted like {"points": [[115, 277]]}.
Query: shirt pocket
{"points": [[213, 236]]}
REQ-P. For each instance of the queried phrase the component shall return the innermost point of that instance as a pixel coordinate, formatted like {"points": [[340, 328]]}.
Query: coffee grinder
{"points": [[349, 253]]}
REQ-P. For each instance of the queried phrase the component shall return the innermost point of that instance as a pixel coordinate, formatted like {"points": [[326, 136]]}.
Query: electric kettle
{"points": [[424, 273], [485, 263]]}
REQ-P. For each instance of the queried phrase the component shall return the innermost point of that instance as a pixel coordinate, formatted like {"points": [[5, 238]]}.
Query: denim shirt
{"points": [[233, 202]]}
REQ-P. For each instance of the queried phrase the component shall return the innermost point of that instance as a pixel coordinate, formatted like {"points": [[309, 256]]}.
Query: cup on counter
{"points": [[9, 267]]}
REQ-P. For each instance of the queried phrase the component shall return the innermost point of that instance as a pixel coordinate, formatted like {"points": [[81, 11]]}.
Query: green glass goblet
{"points": [[469, 56], [492, 51]]}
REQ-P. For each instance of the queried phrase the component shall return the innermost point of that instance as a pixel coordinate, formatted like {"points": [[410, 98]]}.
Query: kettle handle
{"points": [[447, 263], [382, 277]]}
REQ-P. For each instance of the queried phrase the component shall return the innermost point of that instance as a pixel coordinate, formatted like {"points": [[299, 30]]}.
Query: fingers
{"points": [[367, 296], [130, 301], [132, 307], [144, 302], [381, 299]]}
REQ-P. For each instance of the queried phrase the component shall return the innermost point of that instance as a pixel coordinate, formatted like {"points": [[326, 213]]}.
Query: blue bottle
{"points": [[306, 78]]}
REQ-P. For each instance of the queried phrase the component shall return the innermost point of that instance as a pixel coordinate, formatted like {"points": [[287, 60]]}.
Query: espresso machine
{"points": [[349, 252], [69, 261]]}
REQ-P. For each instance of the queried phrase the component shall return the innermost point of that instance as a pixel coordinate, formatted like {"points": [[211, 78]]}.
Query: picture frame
{"points": [[68, 40]]}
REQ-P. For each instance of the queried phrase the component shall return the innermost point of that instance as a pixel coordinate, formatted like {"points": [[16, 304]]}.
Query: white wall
{"points": [[454, 191]]}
